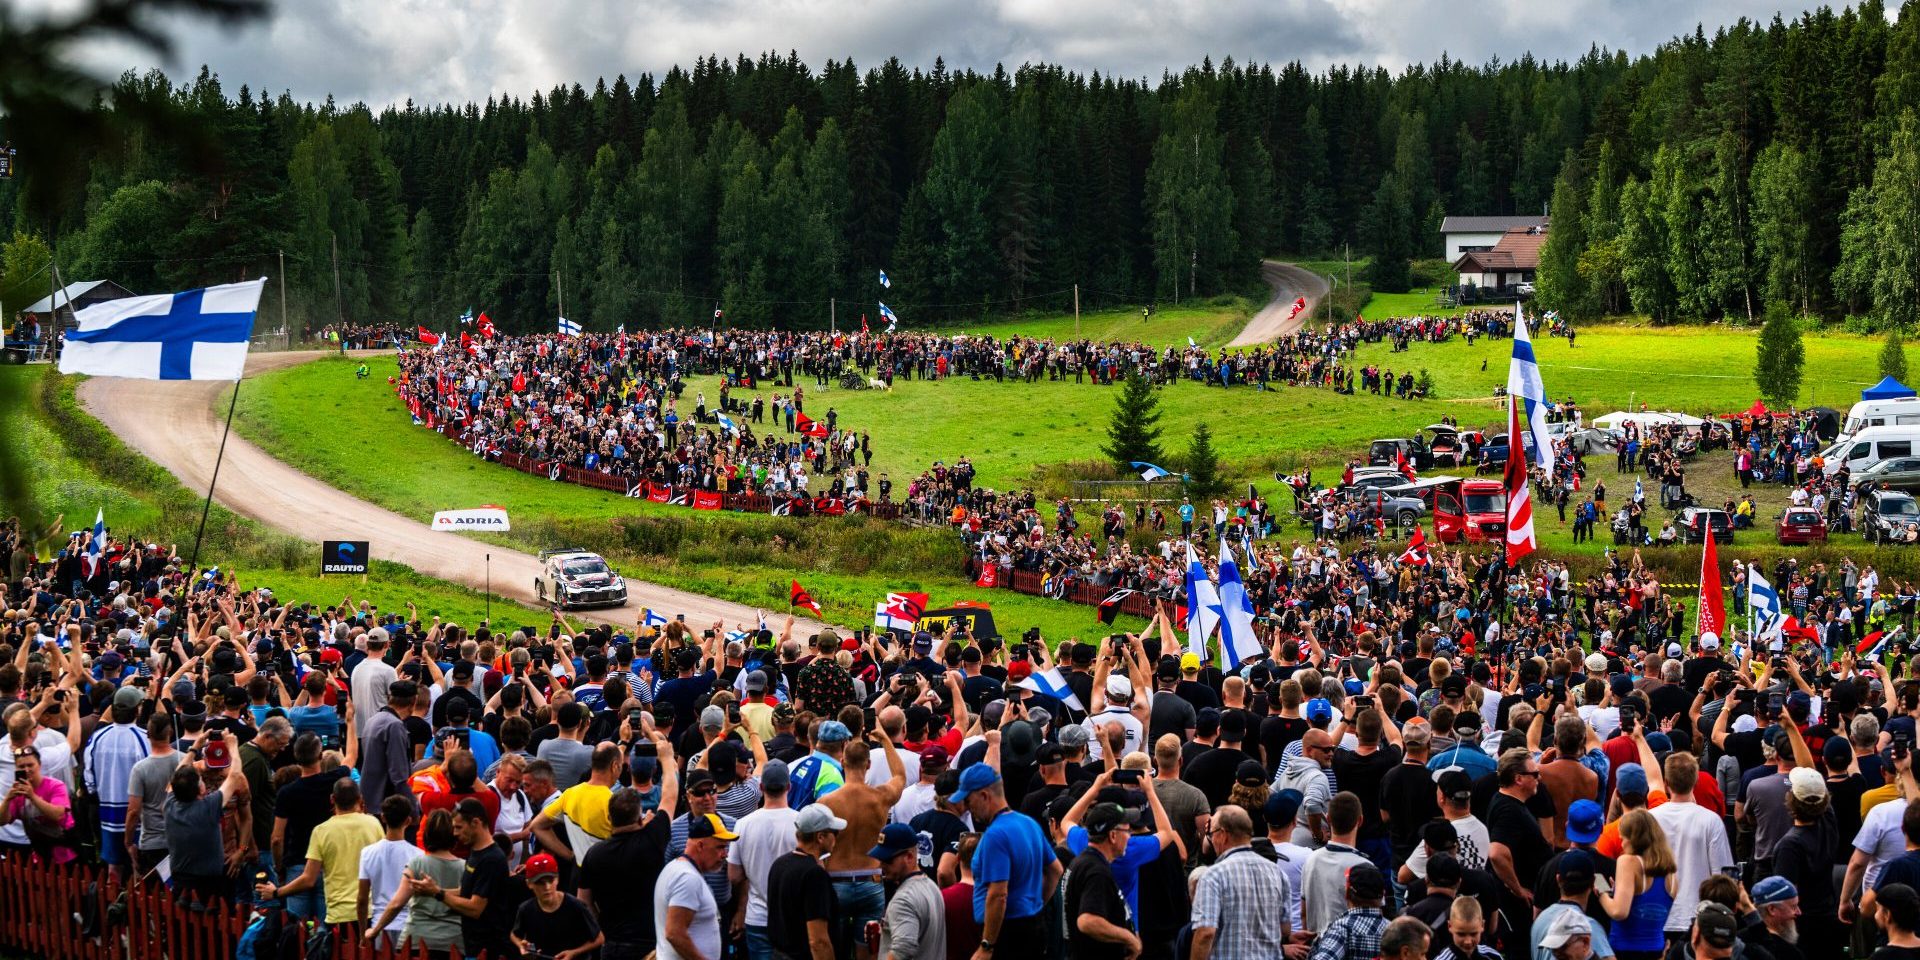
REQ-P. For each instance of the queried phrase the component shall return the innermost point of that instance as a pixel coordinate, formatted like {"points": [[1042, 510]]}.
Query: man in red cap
{"points": [[554, 923]]}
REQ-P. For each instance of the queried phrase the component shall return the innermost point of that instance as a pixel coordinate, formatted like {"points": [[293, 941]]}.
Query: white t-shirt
{"points": [[516, 811], [914, 801], [680, 885], [1136, 733], [1700, 848], [880, 772], [1880, 836], [1293, 857], [1472, 852], [1490, 708], [382, 866], [765, 836]]}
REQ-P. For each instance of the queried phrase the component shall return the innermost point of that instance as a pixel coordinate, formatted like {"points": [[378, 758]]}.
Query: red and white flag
{"points": [[1519, 500], [1712, 617], [801, 598], [428, 337], [1416, 552], [1405, 466]]}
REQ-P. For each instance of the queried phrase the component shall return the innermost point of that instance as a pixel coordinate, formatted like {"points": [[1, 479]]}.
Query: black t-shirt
{"points": [[487, 876], [1164, 906], [1091, 890], [621, 872], [939, 833], [1411, 801], [419, 733], [1510, 822], [1169, 713], [1668, 700], [304, 804], [1213, 773], [446, 699], [798, 890], [1474, 882], [1039, 796], [1198, 694], [1745, 747], [1275, 733], [1362, 776], [1805, 857], [1546, 887], [568, 927]]}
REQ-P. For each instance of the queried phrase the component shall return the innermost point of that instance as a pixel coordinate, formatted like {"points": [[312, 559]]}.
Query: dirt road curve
{"points": [[174, 424], [1289, 284]]}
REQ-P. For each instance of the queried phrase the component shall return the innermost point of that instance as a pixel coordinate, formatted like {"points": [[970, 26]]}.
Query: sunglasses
{"points": [[708, 792]]}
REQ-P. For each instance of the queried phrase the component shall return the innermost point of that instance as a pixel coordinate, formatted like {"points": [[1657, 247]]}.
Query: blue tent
{"points": [[1887, 389]]}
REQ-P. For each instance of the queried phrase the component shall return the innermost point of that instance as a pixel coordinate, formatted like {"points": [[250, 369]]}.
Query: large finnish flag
{"points": [[569, 328], [193, 335], [1052, 683], [1523, 382], [1238, 643], [1764, 603], [1203, 604]]}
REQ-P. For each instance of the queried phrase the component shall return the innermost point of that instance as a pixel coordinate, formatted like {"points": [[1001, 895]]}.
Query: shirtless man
{"points": [[856, 876]]}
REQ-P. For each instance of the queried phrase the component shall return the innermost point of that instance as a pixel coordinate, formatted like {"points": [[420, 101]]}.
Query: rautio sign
{"points": [[343, 556], [479, 518]]}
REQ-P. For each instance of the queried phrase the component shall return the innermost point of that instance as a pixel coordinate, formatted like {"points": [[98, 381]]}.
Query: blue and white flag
{"points": [[650, 618], [726, 423], [568, 328], [1639, 492], [884, 282], [1238, 643], [888, 315], [1053, 684], [1150, 472], [1190, 342], [466, 318], [1203, 604], [1763, 607], [96, 551], [1524, 384], [194, 335]]}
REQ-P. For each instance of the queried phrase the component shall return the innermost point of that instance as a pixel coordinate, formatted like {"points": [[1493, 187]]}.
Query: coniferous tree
{"points": [[1134, 432], [1780, 357], [1203, 465], [1893, 356]]}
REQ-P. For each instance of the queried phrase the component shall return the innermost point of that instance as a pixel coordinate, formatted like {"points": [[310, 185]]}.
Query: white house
{"points": [[1512, 260], [1468, 234]]}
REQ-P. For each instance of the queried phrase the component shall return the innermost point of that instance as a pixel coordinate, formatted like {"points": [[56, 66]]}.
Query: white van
{"points": [[1870, 446], [1901, 411]]}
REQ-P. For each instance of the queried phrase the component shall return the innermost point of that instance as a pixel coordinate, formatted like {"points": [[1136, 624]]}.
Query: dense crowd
{"points": [[1446, 758]]}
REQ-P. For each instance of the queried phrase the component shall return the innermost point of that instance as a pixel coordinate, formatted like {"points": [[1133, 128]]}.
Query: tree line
{"points": [[1699, 180]]}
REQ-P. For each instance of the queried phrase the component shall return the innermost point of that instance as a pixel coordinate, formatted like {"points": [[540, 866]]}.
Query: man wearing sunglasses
{"points": [[1517, 849], [702, 801], [554, 923]]}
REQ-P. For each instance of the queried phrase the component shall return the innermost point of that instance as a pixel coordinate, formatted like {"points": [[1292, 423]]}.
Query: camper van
{"points": [[1900, 411], [1870, 446]]}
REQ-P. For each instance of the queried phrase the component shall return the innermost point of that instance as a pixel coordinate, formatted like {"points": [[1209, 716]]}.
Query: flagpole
{"points": [[207, 508]]}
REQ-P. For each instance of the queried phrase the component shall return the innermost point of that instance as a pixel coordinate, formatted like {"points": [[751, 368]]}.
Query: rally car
{"points": [[572, 577]]}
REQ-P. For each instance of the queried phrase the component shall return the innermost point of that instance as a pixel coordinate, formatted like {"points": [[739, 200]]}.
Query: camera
{"points": [[1126, 776], [1775, 700]]}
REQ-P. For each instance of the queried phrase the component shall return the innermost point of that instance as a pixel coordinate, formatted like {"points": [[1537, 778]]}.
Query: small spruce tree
{"points": [[1893, 356], [1203, 466], [1780, 357], [1134, 433]]}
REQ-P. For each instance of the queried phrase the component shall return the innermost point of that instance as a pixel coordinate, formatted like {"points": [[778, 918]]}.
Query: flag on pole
{"points": [[1639, 492], [1405, 466], [1238, 643], [96, 551], [1150, 472], [808, 426], [900, 612], [466, 318], [193, 335], [1416, 552], [568, 328], [887, 314], [486, 327], [1524, 384], [884, 282], [1519, 496], [726, 423], [1190, 342], [650, 618], [1054, 684], [1711, 616], [799, 597], [1110, 607], [1203, 603], [1763, 606]]}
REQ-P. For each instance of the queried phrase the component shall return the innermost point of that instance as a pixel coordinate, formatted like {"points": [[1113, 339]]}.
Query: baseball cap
{"points": [[1283, 806], [1715, 922], [710, 826], [775, 776], [1318, 710], [183, 690], [1630, 778], [1576, 869], [715, 718], [1806, 783], [542, 865], [1584, 820], [833, 731], [1709, 641], [1455, 685], [1189, 661], [330, 655], [933, 755], [1455, 782], [1250, 773], [1049, 753], [1773, 890], [1119, 688], [1674, 650], [128, 697], [1566, 926], [976, 777], [1019, 670], [895, 840], [1596, 662], [1073, 735], [217, 755], [1838, 753], [1444, 870], [1439, 834], [1104, 818], [1366, 882], [815, 817], [757, 681]]}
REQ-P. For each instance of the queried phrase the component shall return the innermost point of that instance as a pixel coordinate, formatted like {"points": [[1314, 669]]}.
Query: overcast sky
{"points": [[386, 51]]}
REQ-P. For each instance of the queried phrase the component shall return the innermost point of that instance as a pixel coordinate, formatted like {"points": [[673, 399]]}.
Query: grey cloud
{"points": [[387, 51]]}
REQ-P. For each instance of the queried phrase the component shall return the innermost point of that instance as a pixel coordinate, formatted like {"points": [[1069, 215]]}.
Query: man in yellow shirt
{"points": [[584, 807], [333, 855]]}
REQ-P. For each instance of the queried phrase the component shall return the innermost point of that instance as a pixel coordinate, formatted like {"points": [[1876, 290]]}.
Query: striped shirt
{"points": [[111, 754], [1243, 899]]}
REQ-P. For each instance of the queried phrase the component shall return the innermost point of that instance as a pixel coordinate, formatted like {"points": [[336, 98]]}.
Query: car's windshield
{"points": [[1899, 506], [584, 566], [1486, 503]]}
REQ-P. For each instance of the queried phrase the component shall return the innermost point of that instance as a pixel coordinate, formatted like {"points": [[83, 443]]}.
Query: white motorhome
{"points": [[1870, 446], [1900, 411]]}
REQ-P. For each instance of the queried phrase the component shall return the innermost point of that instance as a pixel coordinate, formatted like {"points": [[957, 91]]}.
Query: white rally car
{"points": [[571, 577]]}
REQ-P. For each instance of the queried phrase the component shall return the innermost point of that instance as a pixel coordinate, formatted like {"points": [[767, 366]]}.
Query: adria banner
{"points": [[479, 519]]}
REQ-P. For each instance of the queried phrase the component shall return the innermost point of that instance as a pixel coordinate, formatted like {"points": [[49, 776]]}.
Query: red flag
{"points": [[1416, 552], [799, 597], [989, 576], [486, 326], [1406, 468], [658, 493], [520, 383], [466, 343], [706, 500], [809, 426], [1712, 615], [428, 337], [1868, 642], [863, 324], [1519, 496]]}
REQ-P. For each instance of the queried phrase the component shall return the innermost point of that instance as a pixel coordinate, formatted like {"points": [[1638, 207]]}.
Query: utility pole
{"points": [[1076, 311], [833, 316], [283, 295], [560, 292], [1349, 258], [339, 304]]}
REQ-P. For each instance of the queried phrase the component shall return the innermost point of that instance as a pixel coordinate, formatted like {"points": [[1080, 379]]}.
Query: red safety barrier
{"points": [[1034, 583]]}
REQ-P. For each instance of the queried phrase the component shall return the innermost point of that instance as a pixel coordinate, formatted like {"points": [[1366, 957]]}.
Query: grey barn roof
{"points": [[1488, 224]]}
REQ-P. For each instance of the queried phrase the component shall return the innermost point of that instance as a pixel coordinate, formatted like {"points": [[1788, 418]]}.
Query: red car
{"points": [[1801, 525]]}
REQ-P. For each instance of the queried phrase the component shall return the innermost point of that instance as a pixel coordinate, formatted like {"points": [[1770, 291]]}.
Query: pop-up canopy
{"points": [[1887, 389]]}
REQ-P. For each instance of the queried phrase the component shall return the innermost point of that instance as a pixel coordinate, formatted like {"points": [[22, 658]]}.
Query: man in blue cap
{"points": [[1576, 888], [824, 770], [1014, 870], [1778, 903], [916, 917]]}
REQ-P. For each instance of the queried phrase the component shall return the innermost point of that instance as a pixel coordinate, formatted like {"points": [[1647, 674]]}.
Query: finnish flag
{"points": [[194, 335], [1053, 684], [727, 422], [888, 315], [1238, 643], [884, 282], [648, 618], [1523, 382], [1203, 603], [1764, 602], [568, 328], [96, 551]]}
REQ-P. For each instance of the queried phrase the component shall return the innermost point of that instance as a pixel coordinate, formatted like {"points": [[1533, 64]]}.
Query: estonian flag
{"points": [[1150, 472]]}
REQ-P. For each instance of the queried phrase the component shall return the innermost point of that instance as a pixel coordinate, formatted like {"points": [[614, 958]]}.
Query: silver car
{"points": [[1898, 473]]}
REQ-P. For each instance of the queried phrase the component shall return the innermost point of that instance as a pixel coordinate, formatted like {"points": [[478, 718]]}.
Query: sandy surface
{"points": [[1289, 283], [174, 423]]}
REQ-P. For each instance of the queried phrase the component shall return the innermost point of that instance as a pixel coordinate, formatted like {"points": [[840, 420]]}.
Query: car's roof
{"points": [[580, 555]]}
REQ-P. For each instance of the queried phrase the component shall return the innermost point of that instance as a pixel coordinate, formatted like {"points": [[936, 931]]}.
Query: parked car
{"points": [[1524, 288], [572, 577], [1900, 473], [1386, 453], [1695, 522], [1889, 516], [1800, 525]]}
